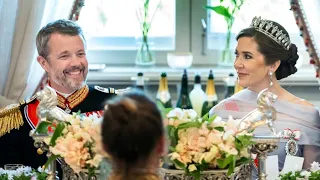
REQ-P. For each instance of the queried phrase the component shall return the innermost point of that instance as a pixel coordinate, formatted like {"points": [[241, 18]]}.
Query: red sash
{"points": [[30, 112]]}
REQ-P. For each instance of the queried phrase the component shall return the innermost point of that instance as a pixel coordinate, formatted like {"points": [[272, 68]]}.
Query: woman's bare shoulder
{"points": [[296, 100], [303, 102]]}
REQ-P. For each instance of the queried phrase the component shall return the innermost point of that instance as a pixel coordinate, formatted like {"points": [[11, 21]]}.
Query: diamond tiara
{"points": [[266, 27]]}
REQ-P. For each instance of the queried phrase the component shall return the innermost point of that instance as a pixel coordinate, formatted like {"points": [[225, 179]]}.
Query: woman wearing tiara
{"points": [[264, 55]]}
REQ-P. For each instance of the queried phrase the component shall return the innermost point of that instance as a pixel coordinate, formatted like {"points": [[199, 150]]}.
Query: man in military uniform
{"points": [[62, 54]]}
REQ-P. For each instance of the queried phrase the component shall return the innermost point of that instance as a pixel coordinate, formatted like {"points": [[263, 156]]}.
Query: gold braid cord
{"points": [[10, 118]]}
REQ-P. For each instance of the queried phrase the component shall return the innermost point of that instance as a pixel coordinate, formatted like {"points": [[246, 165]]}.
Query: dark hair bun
{"points": [[288, 66], [131, 127]]}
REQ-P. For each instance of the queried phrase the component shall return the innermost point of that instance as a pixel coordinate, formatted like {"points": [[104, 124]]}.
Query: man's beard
{"points": [[70, 83]]}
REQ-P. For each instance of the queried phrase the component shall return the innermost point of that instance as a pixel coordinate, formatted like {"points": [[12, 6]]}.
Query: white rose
{"points": [[305, 174], [315, 166], [217, 122], [190, 113], [175, 113]]}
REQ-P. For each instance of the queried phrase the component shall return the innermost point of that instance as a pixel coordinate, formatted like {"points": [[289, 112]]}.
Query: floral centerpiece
{"points": [[312, 173], [207, 143], [23, 173], [77, 141]]}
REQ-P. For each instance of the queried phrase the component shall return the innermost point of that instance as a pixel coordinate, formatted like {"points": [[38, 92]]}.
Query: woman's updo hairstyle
{"points": [[274, 43], [131, 127]]}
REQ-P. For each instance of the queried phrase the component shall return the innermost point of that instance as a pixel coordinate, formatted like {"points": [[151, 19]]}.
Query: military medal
{"points": [[293, 136]]}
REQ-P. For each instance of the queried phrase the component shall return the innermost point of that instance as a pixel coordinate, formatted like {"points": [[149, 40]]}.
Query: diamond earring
{"points": [[270, 79]]}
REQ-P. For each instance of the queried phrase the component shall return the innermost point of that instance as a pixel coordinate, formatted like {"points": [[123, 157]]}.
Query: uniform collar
{"points": [[73, 99], [69, 101]]}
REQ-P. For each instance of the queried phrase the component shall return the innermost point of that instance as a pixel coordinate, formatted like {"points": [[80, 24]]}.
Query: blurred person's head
{"points": [[62, 54], [133, 132]]}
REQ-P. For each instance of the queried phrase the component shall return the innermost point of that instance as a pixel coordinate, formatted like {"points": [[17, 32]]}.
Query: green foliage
{"points": [[211, 119], [41, 175], [229, 161], [190, 124], [221, 129], [57, 133], [221, 10], [228, 12], [50, 159], [243, 141], [172, 135], [164, 111], [4, 177], [180, 164], [22, 177], [42, 128]]}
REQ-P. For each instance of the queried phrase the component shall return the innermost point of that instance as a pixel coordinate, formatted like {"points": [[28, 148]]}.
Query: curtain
{"points": [[20, 21], [8, 10]]}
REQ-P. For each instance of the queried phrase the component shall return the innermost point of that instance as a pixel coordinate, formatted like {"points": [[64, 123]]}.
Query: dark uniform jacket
{"points": [[16, 122]]}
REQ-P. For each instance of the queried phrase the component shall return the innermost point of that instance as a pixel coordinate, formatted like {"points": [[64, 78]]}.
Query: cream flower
{"points": [[193, 136], [183, 138], [192, 168], [174, 156], [305, 174], [180, 148], [244, 153], [228, 149], [209, 156], [83, 136], [202, 142], [186, 158], [95, 161], [204, 131], [218, 122], [196, 156], [214, 137], [232, 125], [189, 114], [228, 133]]}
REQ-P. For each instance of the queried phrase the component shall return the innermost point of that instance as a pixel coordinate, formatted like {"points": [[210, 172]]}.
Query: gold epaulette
{"points": [[11, 117]]}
